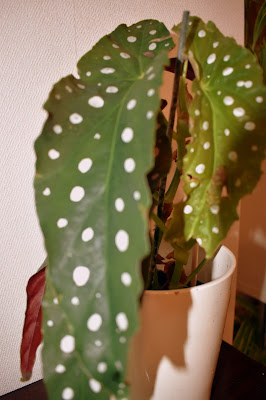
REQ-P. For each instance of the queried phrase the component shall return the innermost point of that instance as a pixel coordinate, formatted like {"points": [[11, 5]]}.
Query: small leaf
{"points": [[259, 24], [175, 235], [93, 199], [32, 335], [227, 118]]}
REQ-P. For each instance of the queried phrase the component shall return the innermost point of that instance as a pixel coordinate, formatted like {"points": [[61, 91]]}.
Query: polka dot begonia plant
{"points": [[93, 198]]}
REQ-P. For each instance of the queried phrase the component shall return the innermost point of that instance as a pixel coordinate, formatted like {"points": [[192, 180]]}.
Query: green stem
{"points": [[169, 133], [196, 271], [158, 222], [170, 194]]}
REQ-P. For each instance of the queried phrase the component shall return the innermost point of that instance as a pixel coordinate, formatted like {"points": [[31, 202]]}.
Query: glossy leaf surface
{"points": [[227, 117], [92, 200]]}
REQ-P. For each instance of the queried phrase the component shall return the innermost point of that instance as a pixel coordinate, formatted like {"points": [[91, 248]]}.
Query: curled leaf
{"points": [[32, 334]]}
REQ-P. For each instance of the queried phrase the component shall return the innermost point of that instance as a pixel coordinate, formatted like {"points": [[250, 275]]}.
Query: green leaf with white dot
{"points": [[227, 118], [92, 199]]}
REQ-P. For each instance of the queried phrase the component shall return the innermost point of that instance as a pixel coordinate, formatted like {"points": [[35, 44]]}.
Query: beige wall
{"points": [[41, 41], [252, 243]]}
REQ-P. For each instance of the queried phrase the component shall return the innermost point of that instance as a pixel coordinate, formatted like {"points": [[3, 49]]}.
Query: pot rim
{"points": [[204, 285]]}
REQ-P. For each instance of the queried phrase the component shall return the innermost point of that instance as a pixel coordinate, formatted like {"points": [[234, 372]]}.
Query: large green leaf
{"points": [[227, 118], [93, 200]]}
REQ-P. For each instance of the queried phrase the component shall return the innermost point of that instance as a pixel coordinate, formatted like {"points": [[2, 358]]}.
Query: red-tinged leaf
{"points": [[32, 334]]}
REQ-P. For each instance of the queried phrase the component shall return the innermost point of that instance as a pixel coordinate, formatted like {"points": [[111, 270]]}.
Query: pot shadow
{"points": [[161, 339]]}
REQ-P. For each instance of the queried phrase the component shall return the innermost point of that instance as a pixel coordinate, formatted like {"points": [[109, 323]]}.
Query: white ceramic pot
{"points": [[174, 355]]}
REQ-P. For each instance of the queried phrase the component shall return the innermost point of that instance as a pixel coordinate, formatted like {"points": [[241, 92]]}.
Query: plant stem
{"points": [[158, 222], [195, 260], [196, 271], [169, 133]]}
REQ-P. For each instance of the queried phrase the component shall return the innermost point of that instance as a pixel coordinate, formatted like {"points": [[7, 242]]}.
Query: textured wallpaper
{"points": [[41, 41]]}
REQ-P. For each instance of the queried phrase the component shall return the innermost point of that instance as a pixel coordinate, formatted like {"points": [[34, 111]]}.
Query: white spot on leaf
{"points": [[151, 76], [131, 104], [102, 367], [81, 275], [126, 279], [77, 194], [152, 32], [107, 70], [121, 321], [119, 204], [131, 39], [205, 125], [232, 156], [60, 368], [124, 55], [201, 33], [112, 89], [199, 240], [97, 136], [127, 135], [228, 100], [239, 112], [68, 393], [94, 322], [85, 165], [75, 301], [136, 195], [248, 84], [68, 89], [53, 154], [67, 344], [122, 240], [211, 58], [96, 102], [227, 132], [75, 118], [57, 129], [188, 209], [149, 114], [200, 168], [129, 165], [87, 234], [206, 145], [226, 57], [215, 209], [62, 222], [227, 71], [259, 99], [46, 192], [50, 323], [250, 126], [215, 229], [150, 92], [152, 46], [95, 386]]}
